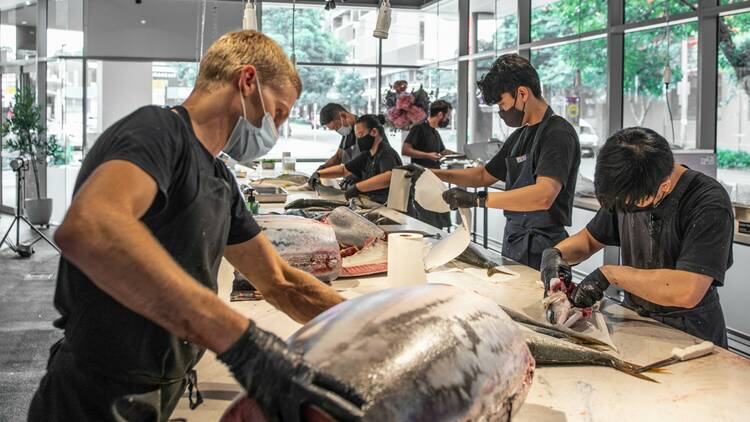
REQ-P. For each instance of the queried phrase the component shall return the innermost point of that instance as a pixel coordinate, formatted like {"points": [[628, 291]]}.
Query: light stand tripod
{"points": [[19, 166]]}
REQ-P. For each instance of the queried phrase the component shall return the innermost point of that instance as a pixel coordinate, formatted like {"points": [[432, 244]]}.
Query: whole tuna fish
{"points": [[314, 203], [419, 353], [306, 244], [352, 229]]}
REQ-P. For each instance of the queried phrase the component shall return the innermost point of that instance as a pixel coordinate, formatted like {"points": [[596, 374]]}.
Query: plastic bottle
{"points": [[252, 204]]}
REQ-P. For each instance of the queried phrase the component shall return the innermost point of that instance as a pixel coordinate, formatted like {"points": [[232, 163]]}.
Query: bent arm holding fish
{"points": [[294, 292], [664, 287]]}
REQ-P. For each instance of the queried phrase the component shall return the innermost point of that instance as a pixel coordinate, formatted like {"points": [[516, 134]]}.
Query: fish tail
{"points": [[631, 369]]}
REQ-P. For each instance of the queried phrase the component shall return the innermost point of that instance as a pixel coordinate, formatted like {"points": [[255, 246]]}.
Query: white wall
{"points": [[123, 87]]}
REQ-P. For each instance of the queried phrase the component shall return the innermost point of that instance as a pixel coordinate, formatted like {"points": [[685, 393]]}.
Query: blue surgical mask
{"points": [[247, 142], [344, 130]]}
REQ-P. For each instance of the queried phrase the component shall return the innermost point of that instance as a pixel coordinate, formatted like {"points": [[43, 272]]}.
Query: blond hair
{"points": [[240, 48]]}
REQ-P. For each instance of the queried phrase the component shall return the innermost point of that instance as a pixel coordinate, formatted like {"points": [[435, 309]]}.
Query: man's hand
{"points": [[415, 171], [352, 192], [435, 156], [459, 198], [314, 180], [590, 290], [281, 382], [554, 266]]}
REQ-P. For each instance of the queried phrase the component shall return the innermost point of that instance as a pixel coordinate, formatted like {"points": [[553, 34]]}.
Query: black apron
{"points": [[348, 155], [528, 234], [128, 353], [651, 240]]}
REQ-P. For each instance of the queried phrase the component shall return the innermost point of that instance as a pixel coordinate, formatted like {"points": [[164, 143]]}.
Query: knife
{"points": [[680, 355]]}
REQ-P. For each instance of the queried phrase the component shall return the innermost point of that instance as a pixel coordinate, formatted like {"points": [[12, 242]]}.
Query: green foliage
{"points": [[351, 87], [311, 44], [187, 72], [24, 132], [641, 10], [728, 159], [567, 17]]}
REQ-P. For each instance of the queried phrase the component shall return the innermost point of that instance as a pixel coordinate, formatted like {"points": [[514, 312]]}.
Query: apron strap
{"points": [[548, 116]]}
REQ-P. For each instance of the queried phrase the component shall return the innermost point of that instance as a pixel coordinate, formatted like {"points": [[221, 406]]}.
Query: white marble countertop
{"points": [[713, 388]]}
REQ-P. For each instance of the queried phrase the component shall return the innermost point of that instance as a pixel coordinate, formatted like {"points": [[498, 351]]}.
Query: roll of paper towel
{"points": [[406, 259]]}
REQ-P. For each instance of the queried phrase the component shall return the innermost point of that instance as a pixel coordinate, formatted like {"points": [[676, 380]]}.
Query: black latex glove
{"points": [[590, 290], [554, 266], [281, 382], [352, 192], [415, 171], [314, 180], [459, 198]]}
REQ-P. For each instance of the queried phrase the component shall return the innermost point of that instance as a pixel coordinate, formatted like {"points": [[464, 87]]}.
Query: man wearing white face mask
{"points": [[137, 281]]}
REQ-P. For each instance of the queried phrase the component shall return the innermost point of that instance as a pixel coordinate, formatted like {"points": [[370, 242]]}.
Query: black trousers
{"points": [[70, 391]]}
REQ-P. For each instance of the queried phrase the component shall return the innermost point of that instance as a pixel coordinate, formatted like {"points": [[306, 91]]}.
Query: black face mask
{"points": [[365, 143], [444, 123], [513, 117]]}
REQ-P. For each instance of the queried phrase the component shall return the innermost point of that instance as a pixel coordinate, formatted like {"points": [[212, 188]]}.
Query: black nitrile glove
{"points": [[554, 266], [281, 382], [314, 180], [415, 171], [459, 198], [590, 290], [352, 192]]}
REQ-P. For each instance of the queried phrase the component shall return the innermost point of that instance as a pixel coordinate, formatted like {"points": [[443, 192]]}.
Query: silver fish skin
{"points": [[306, 244], [352, 229], [316, 203], [423, 353]]}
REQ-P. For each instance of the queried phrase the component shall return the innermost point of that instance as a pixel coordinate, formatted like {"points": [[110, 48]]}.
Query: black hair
{"points": [[330, 112], [439, 106], [630, 167], [373, 121], [505, 76]]}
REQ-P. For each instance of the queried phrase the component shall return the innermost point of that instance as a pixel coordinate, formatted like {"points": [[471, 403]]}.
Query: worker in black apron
{"points": [[538, 163], [675, 236], [425, 147], [372, 167], [335, 117], [137, 279]]}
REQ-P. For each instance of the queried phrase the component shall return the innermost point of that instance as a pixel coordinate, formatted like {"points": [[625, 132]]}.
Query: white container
{"points": [[288, 163]]}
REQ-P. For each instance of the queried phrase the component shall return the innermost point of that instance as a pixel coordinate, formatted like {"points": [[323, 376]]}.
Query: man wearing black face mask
{"points": [[674, 227], [538, 163], [425, 147]]}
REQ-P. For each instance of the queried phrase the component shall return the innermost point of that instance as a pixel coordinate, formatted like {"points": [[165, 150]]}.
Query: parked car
{"points": [[588, 139]]}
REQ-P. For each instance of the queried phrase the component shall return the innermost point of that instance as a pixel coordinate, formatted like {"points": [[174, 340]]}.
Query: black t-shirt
{"points": [[365, 166], [198, 210], [425, 138], [704, 229], [558, 155]]}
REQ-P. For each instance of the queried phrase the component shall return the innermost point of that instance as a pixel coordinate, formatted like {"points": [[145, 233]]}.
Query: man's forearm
{"points": [[470, 177], [122, 258], [335, 159], [381, 181], [578, 248], [333, 172], [410, 151], [305, 297], [664, 287]]}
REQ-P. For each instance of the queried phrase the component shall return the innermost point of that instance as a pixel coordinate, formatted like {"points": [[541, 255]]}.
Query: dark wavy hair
{"points": [[330, 112], [373, 121], [440, 106], [630, 167], [505, 76]]}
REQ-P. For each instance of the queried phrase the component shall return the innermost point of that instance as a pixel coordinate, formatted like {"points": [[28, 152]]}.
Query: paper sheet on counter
{"points": [[428, 192], [452, 246]]}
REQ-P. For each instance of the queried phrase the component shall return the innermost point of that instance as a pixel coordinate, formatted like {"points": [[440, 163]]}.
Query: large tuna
{"points": [[419, 353], [306, 244], [352, 229]]}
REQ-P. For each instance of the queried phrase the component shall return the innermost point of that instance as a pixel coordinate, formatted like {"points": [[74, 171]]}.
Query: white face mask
{"points": [[344, 130], [247, 142]]}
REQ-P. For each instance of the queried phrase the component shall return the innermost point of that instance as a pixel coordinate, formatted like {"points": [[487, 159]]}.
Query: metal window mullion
{"points": [[41, 79], [524, 28], [463, 88], [708, 29], [615, 64]]}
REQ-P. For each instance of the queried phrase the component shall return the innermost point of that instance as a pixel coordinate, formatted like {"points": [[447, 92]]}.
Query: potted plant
{"points": [[24, 132]]}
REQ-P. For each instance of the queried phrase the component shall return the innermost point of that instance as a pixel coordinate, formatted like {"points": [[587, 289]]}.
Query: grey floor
{"points": [[26, 314]]}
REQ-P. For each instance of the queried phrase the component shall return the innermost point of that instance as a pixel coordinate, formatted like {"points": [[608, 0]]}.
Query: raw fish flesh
{"points": [[306, 244]]}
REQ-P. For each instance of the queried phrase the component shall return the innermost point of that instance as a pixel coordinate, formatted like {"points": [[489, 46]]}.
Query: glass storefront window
{"points": [[506, 24], [647, 102], [484, 124], [574, 83], [641, 10], [18, 32], [482, 27], [64, 27], [353, 87], [173, 82], [733, 109], [408, 42], [559, 18], [441, 83], [342, 35]]}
